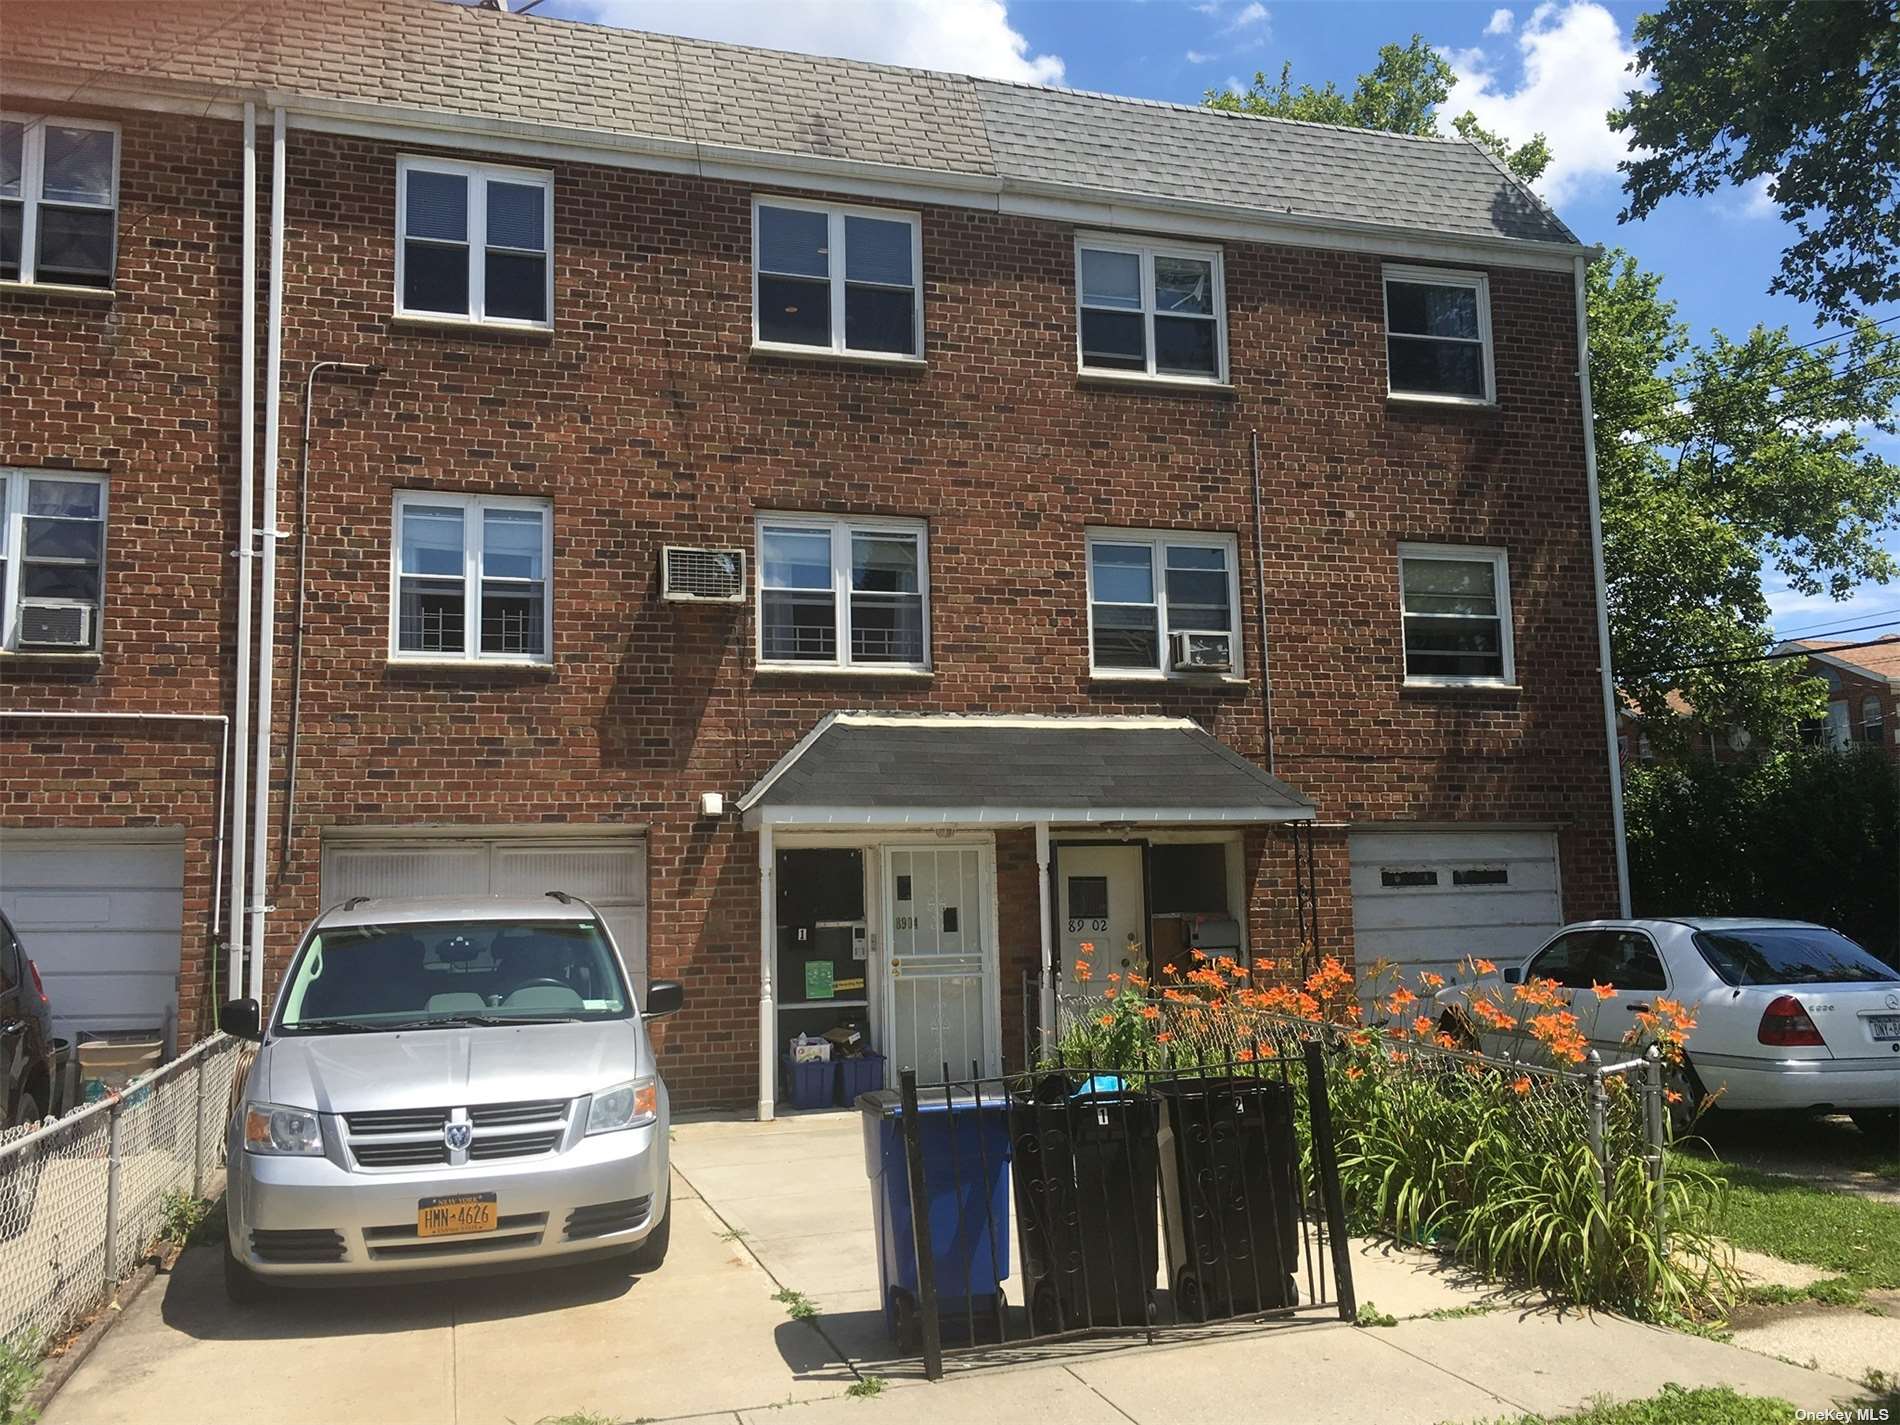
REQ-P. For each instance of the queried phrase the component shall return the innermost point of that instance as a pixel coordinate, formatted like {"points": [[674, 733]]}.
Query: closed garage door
{"points": [[610, 872], [1426, 899], [102, 917]]}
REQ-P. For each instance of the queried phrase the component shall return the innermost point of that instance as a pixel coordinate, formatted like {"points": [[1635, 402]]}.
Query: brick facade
{"points": [[647, 420]]}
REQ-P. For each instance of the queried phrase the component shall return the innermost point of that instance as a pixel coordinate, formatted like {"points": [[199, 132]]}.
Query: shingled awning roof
{"points": [[879, 769]]}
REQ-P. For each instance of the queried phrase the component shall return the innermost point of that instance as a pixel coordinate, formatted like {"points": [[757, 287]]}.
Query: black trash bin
{"points": [[1230, 1195], [1083, 1153]]}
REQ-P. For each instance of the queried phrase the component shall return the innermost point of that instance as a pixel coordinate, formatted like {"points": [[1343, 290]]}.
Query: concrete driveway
{"points": [[785, 1208]]}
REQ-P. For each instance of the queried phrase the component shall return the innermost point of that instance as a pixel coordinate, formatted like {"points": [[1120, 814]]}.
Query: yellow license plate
{"points": [[454, 1216]]}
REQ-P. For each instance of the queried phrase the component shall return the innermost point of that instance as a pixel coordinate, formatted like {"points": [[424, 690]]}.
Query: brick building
{"points": [[824, 513]]}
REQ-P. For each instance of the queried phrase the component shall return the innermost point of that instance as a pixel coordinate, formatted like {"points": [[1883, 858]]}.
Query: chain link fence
{"points": [[83, 1196]]}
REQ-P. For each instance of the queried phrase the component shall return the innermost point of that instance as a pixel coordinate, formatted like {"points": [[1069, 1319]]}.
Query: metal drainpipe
{"points": [[1603, 601], [270, 535], [245, 553], [1260, 602], [768, 951], [303, 575]]}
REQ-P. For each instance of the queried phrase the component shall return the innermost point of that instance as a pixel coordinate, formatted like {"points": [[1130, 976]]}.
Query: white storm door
{"points": [[942, 1012]]}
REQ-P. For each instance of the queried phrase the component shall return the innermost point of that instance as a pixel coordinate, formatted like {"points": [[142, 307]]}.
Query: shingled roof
{"points": [[717, 100]]}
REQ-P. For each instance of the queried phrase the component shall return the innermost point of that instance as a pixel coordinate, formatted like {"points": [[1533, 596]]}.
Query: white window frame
{"points": [[1158, 541], [478, 175], [32, 186], [840, 528], [1499, 560], [13, 483], [1148, 251], [1478, 282], [473, 528], [835, 214]]}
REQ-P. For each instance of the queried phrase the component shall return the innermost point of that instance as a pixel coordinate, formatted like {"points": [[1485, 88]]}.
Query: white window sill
{"points": [[459, 665], [1089, 377], [60, 289], [424, 321], [1425, 398], [50, 655], [832, 670], [1136, 675], [826, 353], [1465, 685]]}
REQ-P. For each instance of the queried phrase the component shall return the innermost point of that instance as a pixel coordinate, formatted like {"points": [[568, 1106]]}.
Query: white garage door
{"points": [[1426, 899], [610, 873], [102, 917]]}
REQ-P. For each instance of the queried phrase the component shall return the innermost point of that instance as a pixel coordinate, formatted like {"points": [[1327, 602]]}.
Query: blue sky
{"points": [[1554, 67]]}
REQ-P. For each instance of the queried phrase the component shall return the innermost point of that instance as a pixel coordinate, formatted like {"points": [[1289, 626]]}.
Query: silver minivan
{"points": [[447, 1085]]}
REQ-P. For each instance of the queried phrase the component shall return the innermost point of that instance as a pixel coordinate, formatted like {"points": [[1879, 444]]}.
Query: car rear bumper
{"points": [[309, 1220], [1800, 1083]]}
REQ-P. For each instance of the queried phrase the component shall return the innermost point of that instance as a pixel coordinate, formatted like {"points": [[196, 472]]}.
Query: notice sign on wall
{"points": [[818, 980]]}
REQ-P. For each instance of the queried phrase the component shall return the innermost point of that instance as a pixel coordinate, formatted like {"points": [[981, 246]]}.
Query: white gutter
{"points": [[1603, 601], [899, 817], [247, 423], [768, 1013], [269, 537], [1047, 947]]}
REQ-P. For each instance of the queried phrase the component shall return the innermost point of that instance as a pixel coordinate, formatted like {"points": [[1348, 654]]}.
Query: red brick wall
{"points": [[647, 421]]}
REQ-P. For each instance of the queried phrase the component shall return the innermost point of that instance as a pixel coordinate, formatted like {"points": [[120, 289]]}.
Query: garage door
{"points": [[611, 873], [102, 917], [1426, 899]]}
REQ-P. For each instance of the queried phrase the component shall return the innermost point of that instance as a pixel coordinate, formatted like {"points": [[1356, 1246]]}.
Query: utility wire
{"points": [[1835, 625], [1747, 366], [1812, 385]]}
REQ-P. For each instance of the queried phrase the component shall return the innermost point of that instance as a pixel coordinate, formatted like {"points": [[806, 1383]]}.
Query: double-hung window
{"points": [[474, 243], [1147, 310], [829, 278], [1438, 335], [1456, 604], [846, 593], [52, 560], [1162, 603], [471, 578], [59, 196]]}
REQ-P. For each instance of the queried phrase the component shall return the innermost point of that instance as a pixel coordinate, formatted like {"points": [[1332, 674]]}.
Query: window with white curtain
{"points": [[472, 578], [59, 196], [842, 593], [474, 242]]}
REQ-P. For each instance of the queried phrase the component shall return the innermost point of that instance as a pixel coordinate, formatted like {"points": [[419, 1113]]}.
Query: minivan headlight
{"points": [[273, 1128], [628, 1105]]}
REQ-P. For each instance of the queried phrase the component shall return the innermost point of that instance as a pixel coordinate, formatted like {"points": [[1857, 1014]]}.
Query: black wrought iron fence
{"points": [[1136, 1201]]}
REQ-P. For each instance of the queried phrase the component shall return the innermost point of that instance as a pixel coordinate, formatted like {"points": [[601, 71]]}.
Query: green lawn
{"points": [[1676, 1406], [1835, 1231]]}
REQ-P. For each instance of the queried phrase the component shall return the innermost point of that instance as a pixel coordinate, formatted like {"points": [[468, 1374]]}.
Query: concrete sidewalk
{"points": [[784, 1207]]}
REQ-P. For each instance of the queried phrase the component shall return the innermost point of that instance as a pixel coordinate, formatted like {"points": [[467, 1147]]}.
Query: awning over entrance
{"points": [[892, 770]]}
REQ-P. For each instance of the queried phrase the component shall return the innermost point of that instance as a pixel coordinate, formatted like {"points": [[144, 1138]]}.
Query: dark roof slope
{"points": [[722, 99]]}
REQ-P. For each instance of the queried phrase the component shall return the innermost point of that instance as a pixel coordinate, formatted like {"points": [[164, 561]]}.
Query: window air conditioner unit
{"points": [[48, 625], [1200, 652], [702, 576]]}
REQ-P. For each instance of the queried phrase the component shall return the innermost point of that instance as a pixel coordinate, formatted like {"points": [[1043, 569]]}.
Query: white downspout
{"points": [[1048, 1034], [247, 423], [1603, 600], [269, 535], [768, 1014]]}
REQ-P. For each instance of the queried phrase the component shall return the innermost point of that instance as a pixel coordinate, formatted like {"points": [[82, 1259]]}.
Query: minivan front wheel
{"points": [[648, 1256]]}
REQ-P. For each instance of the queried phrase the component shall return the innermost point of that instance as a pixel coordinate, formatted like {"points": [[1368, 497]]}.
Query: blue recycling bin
{"points": [[965, 1145]]}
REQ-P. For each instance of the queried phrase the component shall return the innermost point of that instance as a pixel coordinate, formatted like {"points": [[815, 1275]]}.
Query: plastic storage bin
{"points": [[862, 1075], [808, 1085], [965, 1145]]}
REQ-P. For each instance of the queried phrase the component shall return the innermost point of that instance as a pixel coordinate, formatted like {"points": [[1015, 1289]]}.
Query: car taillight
{"points": [[39, 985], [1785, 1024]]}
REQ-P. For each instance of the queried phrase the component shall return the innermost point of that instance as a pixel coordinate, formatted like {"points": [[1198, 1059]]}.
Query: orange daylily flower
{"points": [[1602, 991], [1484, 967], [1521, 1085], [1151, 1011], [1106, 1020], [1353, 1071], [1422, 1025]]}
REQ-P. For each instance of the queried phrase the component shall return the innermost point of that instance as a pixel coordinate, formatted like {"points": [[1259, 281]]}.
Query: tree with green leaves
{"points": [[1802, 95], [1401, 94], [1717, 462]]}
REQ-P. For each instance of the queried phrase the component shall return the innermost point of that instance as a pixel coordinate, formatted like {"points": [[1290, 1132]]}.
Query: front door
{"points": [[1101, 902], [943, 1010]]}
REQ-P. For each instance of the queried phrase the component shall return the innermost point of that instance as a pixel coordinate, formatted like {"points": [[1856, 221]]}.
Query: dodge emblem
{"points": [[456, 1135]]}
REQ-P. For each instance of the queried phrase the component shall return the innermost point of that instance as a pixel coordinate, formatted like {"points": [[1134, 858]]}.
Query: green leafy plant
{"points": [[19, 1373], [868, 1388], [797, 1305], [182, 1217], [1715, 1405], [1370, 1315]]}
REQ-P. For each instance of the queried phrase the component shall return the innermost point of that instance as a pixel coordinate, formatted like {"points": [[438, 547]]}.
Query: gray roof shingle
{"points": [[459, 60], [1023, 765]]}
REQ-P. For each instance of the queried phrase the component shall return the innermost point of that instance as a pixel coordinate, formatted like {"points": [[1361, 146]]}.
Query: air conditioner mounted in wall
{"points": [[702, 576], [1201, 652], [53, 625]]}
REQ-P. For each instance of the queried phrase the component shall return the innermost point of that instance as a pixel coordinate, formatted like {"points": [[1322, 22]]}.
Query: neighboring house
{"points": [[1863, 690], [807, 507]]}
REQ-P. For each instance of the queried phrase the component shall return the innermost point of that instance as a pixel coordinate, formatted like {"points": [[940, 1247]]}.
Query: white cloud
{"points": [[962, 36], [1757, 201], [1500, 23], [1212, 7], [1197, 56], [1575, 59], [1250, 15]]}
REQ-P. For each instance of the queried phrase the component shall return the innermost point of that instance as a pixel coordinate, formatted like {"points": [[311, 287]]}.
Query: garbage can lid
{"points": [[889, 1103], [881, 1103]]}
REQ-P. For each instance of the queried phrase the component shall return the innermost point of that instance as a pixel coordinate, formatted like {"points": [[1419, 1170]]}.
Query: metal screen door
{"points": [[941, 964]]}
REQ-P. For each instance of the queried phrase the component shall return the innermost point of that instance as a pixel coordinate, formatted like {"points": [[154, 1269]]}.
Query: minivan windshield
{"points": [[439, 974], [1790, 955]]}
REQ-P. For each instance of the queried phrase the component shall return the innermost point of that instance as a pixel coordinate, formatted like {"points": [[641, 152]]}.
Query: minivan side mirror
{"points": [[239, 1019], [1514, 975], [664, 997]]}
